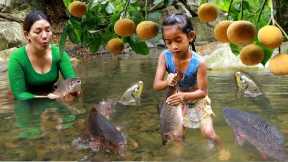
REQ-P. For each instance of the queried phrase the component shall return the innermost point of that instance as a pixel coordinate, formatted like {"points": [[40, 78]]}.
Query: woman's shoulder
{"points": [[17, 53]]}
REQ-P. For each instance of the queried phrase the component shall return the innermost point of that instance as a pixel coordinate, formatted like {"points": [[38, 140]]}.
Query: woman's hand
{"points": [[68, 98], [172, 79], [176, 99], [52, 96]]}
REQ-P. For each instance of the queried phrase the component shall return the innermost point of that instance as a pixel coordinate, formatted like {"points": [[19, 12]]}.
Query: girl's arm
{"points": [[159, 82], [200, 92]]}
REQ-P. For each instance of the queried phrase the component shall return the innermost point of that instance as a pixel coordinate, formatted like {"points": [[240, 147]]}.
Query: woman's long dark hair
{"points": [[182, 21], [32, 17]]}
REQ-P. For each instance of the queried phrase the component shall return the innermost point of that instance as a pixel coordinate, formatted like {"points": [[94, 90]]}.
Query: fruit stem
{"points": [[260, 13], [146, 2], [229, 9], [126, 7], [274, 22], [241, 12]]}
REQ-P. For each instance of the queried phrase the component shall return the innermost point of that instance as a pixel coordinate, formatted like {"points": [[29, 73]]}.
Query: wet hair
{"points": [[182, 21], [32, 17]]}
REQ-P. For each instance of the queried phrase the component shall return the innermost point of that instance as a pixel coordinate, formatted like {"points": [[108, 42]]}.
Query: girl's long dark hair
{"points": [[182, 21]]}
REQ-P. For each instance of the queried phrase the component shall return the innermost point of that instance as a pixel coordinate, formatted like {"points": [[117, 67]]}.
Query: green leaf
{"points": [[157, 2], [137, 45], [235, 49], [154, 16], [67, 2], [94, 43], [74, 31], [110, 8], [267, 52]]}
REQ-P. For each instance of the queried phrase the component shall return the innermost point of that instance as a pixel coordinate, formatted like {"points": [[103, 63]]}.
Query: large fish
{"points": [[258, 132], [104, 134], [171, 120], [248, 87], [132, 95], [70, 85]]}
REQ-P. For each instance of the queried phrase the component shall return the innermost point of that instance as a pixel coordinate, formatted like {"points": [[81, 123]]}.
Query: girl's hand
{"points": [[176, 99], [172, 79]]}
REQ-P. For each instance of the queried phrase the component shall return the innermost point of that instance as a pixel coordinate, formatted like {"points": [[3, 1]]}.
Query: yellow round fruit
{"points": [[147, 30], [270, 36], [278, 65], [251, 54], [124, 27], [77, 8], [241, 32], [115, 45], [220, 31], [207, 12]]}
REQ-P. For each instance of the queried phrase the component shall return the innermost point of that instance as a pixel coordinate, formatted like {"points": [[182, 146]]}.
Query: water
{"points": [[44, 130]]}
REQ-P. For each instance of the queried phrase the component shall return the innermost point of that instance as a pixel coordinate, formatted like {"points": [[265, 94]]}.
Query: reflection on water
{"points": [[44, 130]]}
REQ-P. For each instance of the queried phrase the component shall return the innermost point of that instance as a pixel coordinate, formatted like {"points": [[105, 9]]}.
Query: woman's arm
{"points": [[159, 82], [17, 80], [66, 67]]}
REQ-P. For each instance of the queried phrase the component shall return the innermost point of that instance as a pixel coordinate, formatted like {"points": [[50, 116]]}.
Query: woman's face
{"points": [[40, 34], [176, 40]]}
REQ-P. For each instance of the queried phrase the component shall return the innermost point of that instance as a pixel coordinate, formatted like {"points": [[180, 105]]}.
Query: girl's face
{"points": [[40, 34], [176, 40]]}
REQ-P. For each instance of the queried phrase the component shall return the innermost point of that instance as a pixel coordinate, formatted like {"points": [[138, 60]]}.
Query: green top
{"points": [[25, 82]]}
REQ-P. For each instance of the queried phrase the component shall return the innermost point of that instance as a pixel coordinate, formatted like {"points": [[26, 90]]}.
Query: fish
{"points": [[105, 134], [247, 87], [171, 119], [70, 85], [105, 108], [132, 95], [250, 127]]}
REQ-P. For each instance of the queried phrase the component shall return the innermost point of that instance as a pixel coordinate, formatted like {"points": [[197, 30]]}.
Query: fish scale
{"points": [[263, 135]]}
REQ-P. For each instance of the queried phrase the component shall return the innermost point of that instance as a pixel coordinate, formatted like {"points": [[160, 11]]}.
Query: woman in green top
{"points": [[34, 68]]}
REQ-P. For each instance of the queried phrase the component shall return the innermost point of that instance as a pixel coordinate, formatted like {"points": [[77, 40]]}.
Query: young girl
{"points": [[178, 34]]}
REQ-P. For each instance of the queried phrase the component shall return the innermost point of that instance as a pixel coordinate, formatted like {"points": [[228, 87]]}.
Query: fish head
{"points": [[121, 149], [246, 84], [137, 89], [241, 80], [132, 95], [75, 84]]}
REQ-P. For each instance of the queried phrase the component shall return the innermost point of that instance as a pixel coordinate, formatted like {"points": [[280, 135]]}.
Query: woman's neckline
{"points": [[31, 65]]}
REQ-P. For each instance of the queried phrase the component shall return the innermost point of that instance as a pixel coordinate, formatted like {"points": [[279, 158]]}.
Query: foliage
{"points": [[96, 27], [256, 11]]}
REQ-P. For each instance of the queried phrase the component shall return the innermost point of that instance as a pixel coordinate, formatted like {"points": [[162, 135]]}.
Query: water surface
{"points": [[44, 130]]}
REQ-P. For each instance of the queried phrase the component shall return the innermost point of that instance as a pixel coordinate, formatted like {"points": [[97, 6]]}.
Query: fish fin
{"points": [[239, 138], [263, 156]]}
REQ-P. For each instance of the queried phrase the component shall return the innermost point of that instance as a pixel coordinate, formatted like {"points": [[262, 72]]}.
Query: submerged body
{"points": [[171, 123], [261, 134], [104, 135]]}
